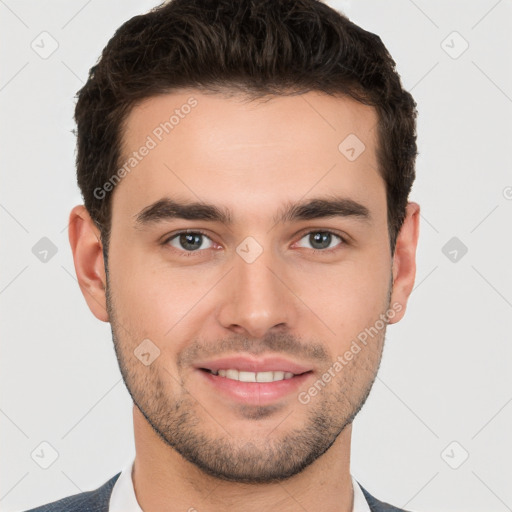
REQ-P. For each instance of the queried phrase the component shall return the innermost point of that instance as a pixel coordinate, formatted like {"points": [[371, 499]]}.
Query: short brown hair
{"points": [[254, 47]]}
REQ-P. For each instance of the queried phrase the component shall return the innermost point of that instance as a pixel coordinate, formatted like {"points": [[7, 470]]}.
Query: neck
{"points": [[164, 480]]}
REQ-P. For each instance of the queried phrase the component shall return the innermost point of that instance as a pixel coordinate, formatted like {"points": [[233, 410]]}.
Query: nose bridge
{"points": [[256, 300]]}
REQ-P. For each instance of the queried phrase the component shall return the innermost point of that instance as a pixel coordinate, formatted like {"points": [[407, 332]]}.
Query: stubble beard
{"points": [[200, 437]]}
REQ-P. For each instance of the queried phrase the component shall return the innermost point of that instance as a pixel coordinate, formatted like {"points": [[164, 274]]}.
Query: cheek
{"points": [[348, 298], [151, 299]]}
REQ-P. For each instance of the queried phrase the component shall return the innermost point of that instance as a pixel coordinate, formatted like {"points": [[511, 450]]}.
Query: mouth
{"points": [[253, 381], [245, 376]]}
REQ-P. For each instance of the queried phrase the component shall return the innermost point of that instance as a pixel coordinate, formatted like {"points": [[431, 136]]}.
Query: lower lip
{"points": [[257, 393]]}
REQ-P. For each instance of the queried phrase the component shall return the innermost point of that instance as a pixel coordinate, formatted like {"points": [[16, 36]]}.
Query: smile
{"points": [[244, 376]]}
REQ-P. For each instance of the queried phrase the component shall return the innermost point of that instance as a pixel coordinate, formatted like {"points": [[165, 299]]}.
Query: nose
{"points": [[257, 297]]}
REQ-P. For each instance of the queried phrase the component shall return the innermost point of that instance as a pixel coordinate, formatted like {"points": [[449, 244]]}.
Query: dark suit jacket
{"points": [[97, 501]]}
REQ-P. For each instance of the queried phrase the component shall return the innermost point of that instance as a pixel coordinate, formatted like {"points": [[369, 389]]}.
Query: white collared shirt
{"points": [[123, 497]]}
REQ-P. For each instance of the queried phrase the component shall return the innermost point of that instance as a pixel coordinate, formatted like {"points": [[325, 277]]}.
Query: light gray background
{"points": [[445, 374]]}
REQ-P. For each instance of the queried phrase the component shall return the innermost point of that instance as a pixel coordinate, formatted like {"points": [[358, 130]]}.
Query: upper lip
{"points": [[252, 364]]}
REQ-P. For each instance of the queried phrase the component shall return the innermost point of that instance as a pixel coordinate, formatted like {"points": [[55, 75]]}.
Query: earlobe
{"points": [[404, 260], [84, 238]]}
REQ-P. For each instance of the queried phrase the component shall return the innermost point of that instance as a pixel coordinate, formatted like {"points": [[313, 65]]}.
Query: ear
{"points": [[404, 260], [85, 241]]}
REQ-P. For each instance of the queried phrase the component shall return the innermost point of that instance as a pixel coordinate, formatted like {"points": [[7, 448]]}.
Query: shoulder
{"points": [[379, 506], [91, 501]]}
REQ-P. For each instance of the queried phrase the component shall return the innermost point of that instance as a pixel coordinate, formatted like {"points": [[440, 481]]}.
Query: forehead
{"points": [[210, 147]]}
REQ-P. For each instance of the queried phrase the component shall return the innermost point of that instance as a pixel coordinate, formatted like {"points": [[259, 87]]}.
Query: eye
{"points": [[189, 241], [322, 240]]}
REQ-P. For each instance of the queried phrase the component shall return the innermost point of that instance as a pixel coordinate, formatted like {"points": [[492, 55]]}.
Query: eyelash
{"points": [[187, 254]]}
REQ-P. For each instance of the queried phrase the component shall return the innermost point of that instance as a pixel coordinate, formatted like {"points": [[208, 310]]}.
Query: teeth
{"points": [[253, 376], [246, 376], [232, 374], [267, 376]]}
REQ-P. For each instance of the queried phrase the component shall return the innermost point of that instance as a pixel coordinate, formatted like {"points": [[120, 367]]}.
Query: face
{"points": [[250, 279]]}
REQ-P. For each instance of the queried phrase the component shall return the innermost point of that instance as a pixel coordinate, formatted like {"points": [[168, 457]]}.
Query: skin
{"points": [[195, 447]]}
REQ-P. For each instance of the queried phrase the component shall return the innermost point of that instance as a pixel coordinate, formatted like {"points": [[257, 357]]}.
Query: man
{"points": [[245, 168]]}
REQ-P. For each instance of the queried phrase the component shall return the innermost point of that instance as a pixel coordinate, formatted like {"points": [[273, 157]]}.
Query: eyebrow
{"points": [[316, 208]]}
